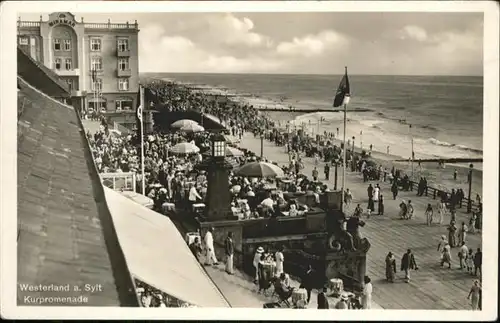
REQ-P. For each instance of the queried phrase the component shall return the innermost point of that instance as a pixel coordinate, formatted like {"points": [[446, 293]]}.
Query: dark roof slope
{"points": [[40, 76], [65, 233]]}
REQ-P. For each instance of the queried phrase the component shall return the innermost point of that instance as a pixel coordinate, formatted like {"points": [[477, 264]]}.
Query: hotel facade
{"points": [[99, 61]]}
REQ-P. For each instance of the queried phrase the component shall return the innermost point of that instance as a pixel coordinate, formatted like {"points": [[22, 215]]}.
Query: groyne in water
{"points": [[264, 108]]}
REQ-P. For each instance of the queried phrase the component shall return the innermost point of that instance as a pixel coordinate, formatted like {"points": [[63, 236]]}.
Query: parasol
{"points": [[192, 127], [233, 152], [260, 169], [185, 148], [181, 123], [232, 139]]}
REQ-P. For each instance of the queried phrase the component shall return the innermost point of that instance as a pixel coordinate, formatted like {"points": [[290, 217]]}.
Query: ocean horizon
{"points": [[446, 112]]}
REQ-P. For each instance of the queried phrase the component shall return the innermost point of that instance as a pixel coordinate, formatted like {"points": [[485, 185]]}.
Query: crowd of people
{"points": [[174, 178]]}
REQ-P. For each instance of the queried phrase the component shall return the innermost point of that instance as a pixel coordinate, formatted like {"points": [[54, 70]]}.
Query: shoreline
{"points": [[439, 178]]}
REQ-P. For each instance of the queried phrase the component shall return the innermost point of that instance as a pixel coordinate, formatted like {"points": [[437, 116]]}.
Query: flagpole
{"points": [[344, 157], [142, 141], [412, 153]]}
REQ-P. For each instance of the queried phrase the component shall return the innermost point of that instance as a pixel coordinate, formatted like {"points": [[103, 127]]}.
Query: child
{"points": [[368, 213], [469, 260]]}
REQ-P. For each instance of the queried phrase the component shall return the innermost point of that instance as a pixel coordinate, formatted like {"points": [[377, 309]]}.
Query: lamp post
{"points": [[218, 200], [361, 139], [261, 145], [335, 175], [469, 203], [353, 165]]}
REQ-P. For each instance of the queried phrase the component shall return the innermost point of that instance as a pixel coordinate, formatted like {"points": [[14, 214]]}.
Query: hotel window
{"points": [[67, 45], [123, 104], [123, 84], [97, 85], [96, 64], [95, 44], [57, 44], [122, 45], [123, 64], [68, 63], [23, 40], [57, 63]]}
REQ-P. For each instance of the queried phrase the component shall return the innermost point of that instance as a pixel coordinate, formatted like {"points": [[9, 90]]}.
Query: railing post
{"points": [[114, 183], [434, 195]]}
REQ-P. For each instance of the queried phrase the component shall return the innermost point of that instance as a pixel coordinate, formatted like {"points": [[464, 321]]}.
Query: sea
{"points": [[445, 112]]}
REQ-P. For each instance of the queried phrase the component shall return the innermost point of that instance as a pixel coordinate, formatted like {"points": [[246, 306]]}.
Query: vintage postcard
{"points": [[325, 159]]}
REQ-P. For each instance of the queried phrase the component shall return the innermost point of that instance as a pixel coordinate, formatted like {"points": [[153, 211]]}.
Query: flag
{"points": [[343, 92], [138, 113]]}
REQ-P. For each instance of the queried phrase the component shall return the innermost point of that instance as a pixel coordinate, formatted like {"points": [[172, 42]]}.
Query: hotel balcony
{"points": [[123, 53], [123, 73], [63, 72]]}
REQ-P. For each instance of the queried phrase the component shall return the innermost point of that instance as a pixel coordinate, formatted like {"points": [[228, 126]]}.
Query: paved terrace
{"points": [[432, 287]]}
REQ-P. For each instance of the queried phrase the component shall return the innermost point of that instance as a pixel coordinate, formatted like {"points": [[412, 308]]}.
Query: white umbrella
{"points": [[181, 123], [185, 148], [192, 127], [233, 152]]}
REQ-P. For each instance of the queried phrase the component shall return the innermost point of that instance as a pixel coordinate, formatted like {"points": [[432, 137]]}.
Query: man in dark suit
{"points": [[229, 250], [322, 300]]}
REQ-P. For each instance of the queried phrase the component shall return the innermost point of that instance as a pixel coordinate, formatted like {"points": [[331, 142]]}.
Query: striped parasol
{"points": [[185, 148], [260, 169], [192, 127], [181, 123], [233, 152]]}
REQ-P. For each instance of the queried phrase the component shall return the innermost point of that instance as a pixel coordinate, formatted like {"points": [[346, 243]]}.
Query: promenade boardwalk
{"points": [[431, 287]]}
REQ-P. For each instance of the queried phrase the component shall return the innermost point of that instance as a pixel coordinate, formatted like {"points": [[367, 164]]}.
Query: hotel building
{"points": [[74, 49]]}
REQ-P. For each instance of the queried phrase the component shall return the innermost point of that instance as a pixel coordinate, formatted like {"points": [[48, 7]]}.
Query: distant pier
{"points": [[445, 160]]}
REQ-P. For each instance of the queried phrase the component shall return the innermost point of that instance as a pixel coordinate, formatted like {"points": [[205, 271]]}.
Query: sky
{"points": [[368, 43]]}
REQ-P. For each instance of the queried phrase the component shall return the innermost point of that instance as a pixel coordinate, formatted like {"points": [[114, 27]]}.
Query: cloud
{"points": [[160, 51], [231, 30], [414, 32], [313, 45]]}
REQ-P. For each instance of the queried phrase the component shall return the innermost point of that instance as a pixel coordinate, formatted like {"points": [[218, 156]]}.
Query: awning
{"points": [[157, 254], [139, 198]]}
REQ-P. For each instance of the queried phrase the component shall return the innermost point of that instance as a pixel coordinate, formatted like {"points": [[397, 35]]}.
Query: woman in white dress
{"points": [[280, 259], [256, 260], [367, 294], [376, 193]]}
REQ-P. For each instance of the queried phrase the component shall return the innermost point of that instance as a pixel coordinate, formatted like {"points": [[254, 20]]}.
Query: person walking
{"points": [[348, 198], [390, 267], [452, 239], [478, 261], [462, 233], [441, 210], [470, 262], [370, 191], [256, 260], [409, 208], [327, 172], [429, 212], [323, 300], [280, 259], [209, 248], [315, 174], [462, 255], [446, 256], [366, 299], [394, 189], [381, 205], [474, 295], [229, 249], [308, 282], [376, 193], [408, 263]]}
